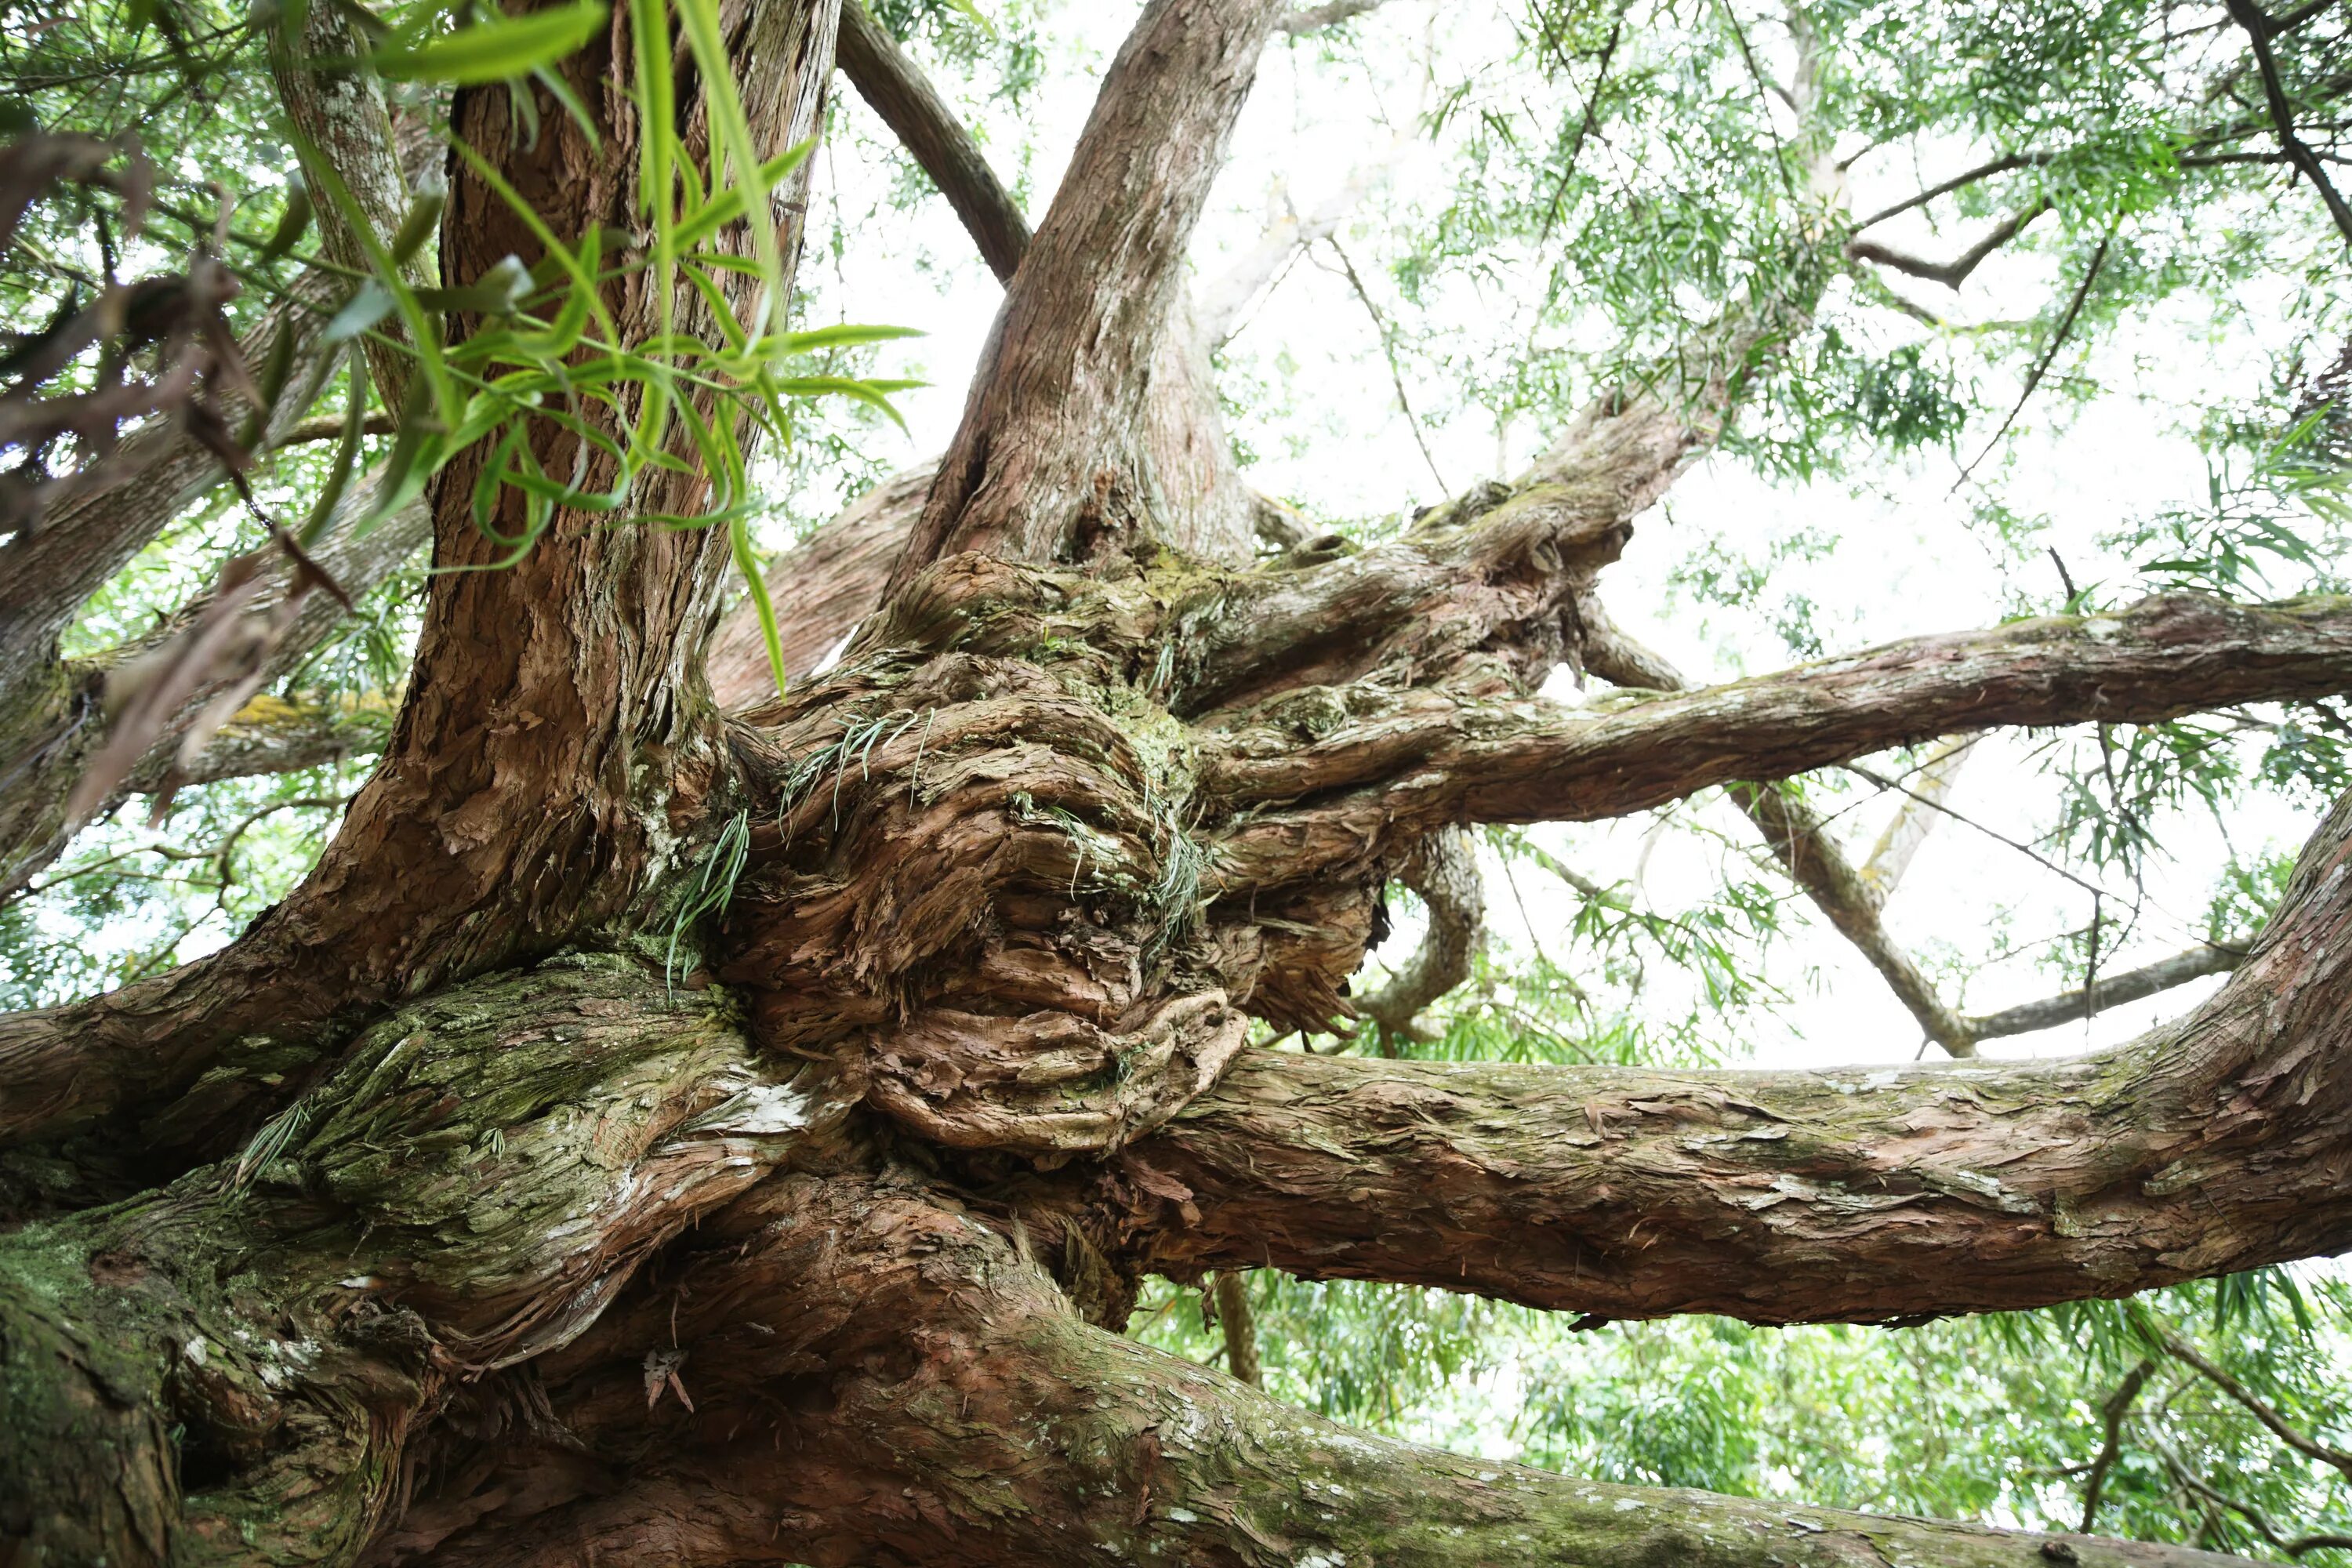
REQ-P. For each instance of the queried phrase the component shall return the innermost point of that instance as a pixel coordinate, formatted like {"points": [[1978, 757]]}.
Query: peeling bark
{"points": [[922, 1393], [468, 1189], [455, 1214]]}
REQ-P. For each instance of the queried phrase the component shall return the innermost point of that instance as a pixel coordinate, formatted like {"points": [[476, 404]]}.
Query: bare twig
{"points": [[2049, 355], [1968, 177], [2112, 1413], [1585, 127], [2181, 1351], [1953, 273], [1388, 352]]}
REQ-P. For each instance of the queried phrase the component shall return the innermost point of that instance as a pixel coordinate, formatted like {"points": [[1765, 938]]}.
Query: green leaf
{"points": [[496, 51], [847, 335]]}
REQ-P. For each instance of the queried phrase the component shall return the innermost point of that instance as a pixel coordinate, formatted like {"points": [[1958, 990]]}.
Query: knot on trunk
{"points": [[1050, 1084]]}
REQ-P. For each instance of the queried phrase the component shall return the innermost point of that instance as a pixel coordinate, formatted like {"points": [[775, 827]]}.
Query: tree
{"points": [[711, 1102]]}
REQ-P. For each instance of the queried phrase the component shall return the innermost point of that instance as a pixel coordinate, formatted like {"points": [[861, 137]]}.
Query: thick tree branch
{"points": [[47, 573], [275, 735], [1500, 571], [821, 590], [1047, 463], [1799, 839], [1315, 18], [1432, 756], [2210, 1145], [549, 765], [900, 92], [469, 1189], [970, 1418], [34, 825]]}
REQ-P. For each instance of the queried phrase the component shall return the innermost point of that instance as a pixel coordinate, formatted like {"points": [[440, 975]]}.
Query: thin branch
{"points": [[1914, 819], [2042, 366], [2112, 1413], [1969, 177], [1585, 127], [1388, 352], [1953, 273], [897, 89], [1936, 804], [2188, 1355], [2115, 991], [1444, 869], [2260, 27], [1801, 843]]}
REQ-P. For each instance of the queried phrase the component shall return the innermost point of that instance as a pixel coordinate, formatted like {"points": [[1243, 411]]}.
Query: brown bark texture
{"points": [[678, 1122]]}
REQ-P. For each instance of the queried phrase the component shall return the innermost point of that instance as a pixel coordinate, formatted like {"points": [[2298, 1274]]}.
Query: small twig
{"points": [[2049, 355], [1981, 172], [1388, 352], [2046, 864], [1584, 128], [2183, 1351]]}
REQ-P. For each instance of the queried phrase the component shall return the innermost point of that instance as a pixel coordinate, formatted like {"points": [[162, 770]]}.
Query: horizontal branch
{"points": [[2131, 986], [876, 1375], [471, 1188], [1433, 756], [2212, 1145]]}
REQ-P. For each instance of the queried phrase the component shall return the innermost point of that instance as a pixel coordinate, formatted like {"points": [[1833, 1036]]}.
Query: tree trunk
{"points": [[676, 1123]]}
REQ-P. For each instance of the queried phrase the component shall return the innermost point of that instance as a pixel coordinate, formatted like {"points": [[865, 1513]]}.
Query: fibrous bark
{"points": [[2212, 1145], [1088, 422], [1006, 1427]]}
